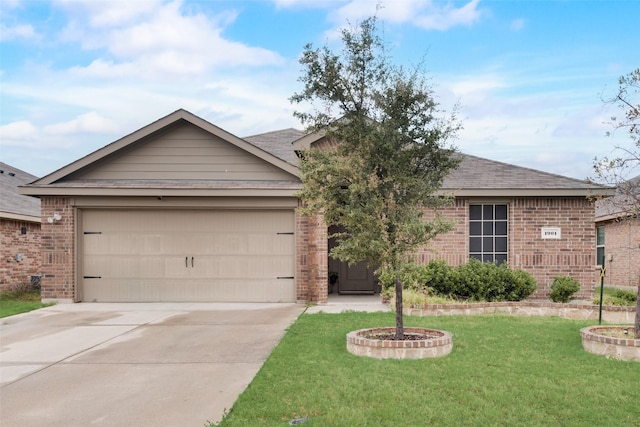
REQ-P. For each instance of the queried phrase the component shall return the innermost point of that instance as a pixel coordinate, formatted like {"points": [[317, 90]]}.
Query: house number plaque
{"points": [[550, 232]]}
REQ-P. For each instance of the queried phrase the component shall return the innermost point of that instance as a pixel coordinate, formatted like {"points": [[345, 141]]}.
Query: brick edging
{"points": [[591, 333], [358, 338]]}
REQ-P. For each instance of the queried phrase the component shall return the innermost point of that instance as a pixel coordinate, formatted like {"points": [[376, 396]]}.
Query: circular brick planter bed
{"points": [[421, 343], [611, 341]]}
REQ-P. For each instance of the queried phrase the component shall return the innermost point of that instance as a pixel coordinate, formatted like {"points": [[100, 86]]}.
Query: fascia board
{"points": [[158, 192], [20, 217], [527, 192]]}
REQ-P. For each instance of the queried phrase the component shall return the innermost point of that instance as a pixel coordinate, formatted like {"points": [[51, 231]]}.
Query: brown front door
{"points": [[356, 279]]}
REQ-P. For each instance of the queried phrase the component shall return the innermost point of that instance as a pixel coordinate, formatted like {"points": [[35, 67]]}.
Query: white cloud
{"points": [[159, 39], [477, 84], [443, 18], [109, 13], [18, 132], [86, 123], [426, 14], [20, 31], [317, 4]]}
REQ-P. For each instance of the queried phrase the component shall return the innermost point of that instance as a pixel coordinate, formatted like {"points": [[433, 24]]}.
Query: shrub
{"points": [[438, 275], [522, 285], [412, 276], [563, 288], [485, 281], [474, 281], [470, 280], [614, 296]]}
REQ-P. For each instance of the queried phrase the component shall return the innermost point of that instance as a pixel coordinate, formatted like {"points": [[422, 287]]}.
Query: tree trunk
{"points": [[399, 318]]}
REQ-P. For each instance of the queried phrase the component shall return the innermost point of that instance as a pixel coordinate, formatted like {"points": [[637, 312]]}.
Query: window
{"points": [[599, 245], [488, 233]]}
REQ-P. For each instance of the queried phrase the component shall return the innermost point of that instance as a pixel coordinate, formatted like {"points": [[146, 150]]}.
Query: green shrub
{"points": [[438, 275], [626, 296], [563, 288], [470, 281], [474, 281], [485, 281], [412, 276], [522, 285], [615, 296]]}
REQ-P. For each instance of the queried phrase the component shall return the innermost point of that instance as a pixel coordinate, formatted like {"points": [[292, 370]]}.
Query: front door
{"points": [[356, 279]]}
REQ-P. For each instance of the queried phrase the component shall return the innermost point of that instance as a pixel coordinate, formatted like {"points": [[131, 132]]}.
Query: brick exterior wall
{"points": [[622, 243], [302, 258], [312, 258], [13, 242], [58, 250], [573, 254]]}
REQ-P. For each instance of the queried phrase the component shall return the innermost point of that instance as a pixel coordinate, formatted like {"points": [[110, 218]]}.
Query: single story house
{"points": [[19, 229], [618, 235], [182, 210]]}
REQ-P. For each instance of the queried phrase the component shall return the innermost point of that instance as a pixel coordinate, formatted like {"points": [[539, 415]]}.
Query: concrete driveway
{"points": [[160, 364]]}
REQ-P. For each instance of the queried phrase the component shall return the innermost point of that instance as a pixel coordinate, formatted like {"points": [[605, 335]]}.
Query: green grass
{"points": [[503, 371], [15, 302]]}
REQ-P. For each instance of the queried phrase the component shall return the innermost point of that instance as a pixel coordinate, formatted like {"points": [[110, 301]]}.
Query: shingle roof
{"points": [[475, 177], [626, 199], [278, 143], [477, 172], [12, 202], [473, 174]]}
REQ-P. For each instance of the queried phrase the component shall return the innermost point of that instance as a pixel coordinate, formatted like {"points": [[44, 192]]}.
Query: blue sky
{"points": [[529, 76]]}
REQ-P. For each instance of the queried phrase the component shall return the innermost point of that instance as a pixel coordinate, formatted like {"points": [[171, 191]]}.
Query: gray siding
{"points": [[186, 152]]}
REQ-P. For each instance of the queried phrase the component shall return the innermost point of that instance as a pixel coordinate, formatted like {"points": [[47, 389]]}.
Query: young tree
{"points": [[386, 156], [619, 171]]}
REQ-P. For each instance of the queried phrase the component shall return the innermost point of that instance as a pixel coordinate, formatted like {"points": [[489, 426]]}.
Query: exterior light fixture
{"points": [[53, 218]]}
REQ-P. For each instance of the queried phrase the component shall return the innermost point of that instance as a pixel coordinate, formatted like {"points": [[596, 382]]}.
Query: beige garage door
{"points": [[196, 255]]}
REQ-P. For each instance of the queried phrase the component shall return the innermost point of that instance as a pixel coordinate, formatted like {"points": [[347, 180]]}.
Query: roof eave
{"points": [[20, 217], [526, 192], [289, 191]]}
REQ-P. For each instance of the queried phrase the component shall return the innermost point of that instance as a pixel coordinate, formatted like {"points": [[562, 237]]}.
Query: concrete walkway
{"points": [[133, 364], [341, 303]]}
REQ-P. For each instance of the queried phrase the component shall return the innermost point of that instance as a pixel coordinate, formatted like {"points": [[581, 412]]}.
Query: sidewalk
{"points": [[340, 303]]}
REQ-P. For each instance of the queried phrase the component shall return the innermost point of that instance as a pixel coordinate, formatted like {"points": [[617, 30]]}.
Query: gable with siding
{"points": [[184, 152], [178, 155]]}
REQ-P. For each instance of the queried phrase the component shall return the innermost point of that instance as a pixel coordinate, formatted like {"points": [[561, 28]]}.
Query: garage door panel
{"points": [[129, 266], [219, 290], [260, 267], [188, 255]]}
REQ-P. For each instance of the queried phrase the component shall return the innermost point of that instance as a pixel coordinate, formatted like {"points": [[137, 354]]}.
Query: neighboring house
{"points": [[19, 229], [618, 235], [182, 210]]}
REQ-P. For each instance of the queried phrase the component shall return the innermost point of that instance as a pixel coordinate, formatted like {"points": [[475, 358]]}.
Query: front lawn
{"points": [[503, 371], [16, 302]]}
